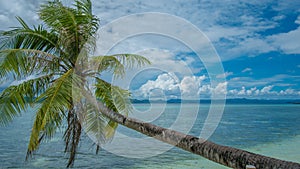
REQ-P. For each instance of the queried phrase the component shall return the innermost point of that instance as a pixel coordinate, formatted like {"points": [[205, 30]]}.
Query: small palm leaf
{"points": [[110, 129]]}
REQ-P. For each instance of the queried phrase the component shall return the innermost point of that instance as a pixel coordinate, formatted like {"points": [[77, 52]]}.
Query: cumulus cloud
{"points": [[266, 89], [168, 86], [171, 86], [235, 29], [221, 89], [165, 84], [264, 92], [189, 85], [162, 60], [287, 42]]}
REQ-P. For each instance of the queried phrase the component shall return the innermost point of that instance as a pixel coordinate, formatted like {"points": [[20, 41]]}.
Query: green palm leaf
{"points": [[55, 101], [24, 50], [24, 62], [75, 26], [114, 98], [27, 38], [94, 123], [118, 63], [16, 98]]}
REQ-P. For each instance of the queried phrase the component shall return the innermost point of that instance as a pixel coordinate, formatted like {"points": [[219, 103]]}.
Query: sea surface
{"points": [[268, 129]]}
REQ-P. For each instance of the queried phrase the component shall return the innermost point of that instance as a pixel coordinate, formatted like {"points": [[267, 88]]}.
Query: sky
{"points": [[256, 43]]}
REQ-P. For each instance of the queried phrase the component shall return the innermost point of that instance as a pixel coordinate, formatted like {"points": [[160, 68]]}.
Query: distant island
{"points": [[228, 101]]}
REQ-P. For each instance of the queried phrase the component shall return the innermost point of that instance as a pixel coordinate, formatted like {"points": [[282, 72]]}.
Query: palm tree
{"points": [[42, 60], [48, 64]]}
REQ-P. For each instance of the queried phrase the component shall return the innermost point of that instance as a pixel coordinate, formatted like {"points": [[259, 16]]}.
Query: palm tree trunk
{"points": [[228, 156]]}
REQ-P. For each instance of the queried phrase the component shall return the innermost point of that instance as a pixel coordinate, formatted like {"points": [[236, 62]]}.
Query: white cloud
{"points": [[161, 61], [246, 70], [242, 92], [224, 75], [168, 84], [25, 9], [278, 17], [234, 28], [287, 42], [266, 89], [298, 20], [288, 92], [248, 82], [215, 18], [3, 19], [165, 83], [189, 85], [221, 89], [251, 47], [264, 92], [166, 61], [215, 33]]}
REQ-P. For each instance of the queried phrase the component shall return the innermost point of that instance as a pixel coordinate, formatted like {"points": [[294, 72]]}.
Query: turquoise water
{"points": [[272, 130]]}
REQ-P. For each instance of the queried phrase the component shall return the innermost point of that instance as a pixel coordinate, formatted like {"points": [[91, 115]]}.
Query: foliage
{"points": [[42, 62]]}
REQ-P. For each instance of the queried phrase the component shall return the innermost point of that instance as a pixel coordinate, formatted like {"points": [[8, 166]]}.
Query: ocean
{"points": [[268, 129]]}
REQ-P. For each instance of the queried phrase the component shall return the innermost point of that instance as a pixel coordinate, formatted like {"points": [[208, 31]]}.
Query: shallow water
{"points": [[272, 130]]}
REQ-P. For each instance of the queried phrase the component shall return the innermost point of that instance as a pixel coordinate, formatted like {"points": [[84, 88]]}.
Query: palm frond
{"points": [[119, 62], [132, 60], [75, 26], [110, 129], [24, 49], [115, 99], [27, 38], [89, 22], [15, 98], [55, 101], [109, 63], [93, 123], [24, 62]]}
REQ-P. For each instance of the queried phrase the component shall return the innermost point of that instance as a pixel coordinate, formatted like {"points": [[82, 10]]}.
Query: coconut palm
{"points": [[50, 68], [42, 61]]}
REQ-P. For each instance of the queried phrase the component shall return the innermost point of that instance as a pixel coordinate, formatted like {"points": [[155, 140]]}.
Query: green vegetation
{"points": [[44, 61]]}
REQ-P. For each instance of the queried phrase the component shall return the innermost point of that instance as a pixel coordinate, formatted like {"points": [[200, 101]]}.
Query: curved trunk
{"points": [[228, 156]]}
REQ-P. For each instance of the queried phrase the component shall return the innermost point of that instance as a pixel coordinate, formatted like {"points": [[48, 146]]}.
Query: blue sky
{"points": [[258, 43]]}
